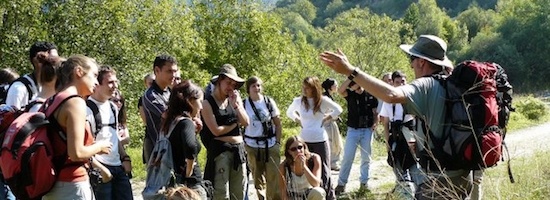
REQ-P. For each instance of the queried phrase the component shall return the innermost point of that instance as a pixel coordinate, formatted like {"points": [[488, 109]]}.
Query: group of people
{"points": [[242, 133], [94, 124]]}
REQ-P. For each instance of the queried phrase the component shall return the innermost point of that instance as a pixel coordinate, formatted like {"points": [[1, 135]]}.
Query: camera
{"points": [[95, 177]]}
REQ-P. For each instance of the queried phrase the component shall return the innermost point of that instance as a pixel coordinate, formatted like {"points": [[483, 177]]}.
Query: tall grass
{"points": [[532, 176]]}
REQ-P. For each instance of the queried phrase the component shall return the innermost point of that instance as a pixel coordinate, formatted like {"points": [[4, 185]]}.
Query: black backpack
{"points": [[26, 80], [97, 124], [504, 97]]}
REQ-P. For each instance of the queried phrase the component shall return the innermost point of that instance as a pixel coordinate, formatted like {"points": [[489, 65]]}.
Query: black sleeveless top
{"points": [[225, 117]]}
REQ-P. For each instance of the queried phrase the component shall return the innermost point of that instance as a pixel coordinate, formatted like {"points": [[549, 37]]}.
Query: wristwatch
{"points": [[353, 74]]}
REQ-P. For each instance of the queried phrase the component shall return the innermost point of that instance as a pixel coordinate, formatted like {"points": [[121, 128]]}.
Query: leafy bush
{"points": [[531, 107]]}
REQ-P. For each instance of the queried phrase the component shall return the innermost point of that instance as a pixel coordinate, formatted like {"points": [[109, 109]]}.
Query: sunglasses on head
{"points": [[297, 148]]}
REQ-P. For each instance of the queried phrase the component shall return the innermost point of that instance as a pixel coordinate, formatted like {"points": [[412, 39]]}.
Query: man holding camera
{"points": [[362, 118], [263, 138], [400, 142]]}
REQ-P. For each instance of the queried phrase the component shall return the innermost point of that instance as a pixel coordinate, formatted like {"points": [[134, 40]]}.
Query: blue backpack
{"points": [[160, 167]]}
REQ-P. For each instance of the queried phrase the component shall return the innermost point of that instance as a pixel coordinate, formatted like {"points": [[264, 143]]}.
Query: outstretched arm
{"points": [[380, 89]]}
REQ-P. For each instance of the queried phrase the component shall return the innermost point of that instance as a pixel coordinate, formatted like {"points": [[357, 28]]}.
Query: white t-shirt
{"points": [[18, 95], [387, 111], [255, 128], [312, 123], [107, 133]]}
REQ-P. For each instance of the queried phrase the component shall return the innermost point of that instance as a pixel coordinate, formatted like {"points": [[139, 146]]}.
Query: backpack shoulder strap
{"points": [[173, 125], [26, 82], [97, 117], [268, 104], [55, 101]]}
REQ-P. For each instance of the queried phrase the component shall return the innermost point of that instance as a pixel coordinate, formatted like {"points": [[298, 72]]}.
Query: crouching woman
{"points": [[300, 172]]}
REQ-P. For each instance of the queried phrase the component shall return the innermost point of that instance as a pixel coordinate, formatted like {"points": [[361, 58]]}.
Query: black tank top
{"points": [[223, 117]]}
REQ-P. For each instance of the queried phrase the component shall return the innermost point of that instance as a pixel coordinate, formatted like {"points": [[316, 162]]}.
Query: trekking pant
{"points": [[118, 188], [265, 174], [323, 150], [70, 190], [335, 142], [445, 186], [148, 146], [406, 180], [477, 192], [228, 182]]}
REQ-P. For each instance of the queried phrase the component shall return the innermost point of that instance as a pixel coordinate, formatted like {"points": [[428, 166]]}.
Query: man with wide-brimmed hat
{"points": [[222, 115], [423, 97]]}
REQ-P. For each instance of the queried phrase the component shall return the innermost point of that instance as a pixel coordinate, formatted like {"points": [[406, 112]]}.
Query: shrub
{"points": [[531, 107]]}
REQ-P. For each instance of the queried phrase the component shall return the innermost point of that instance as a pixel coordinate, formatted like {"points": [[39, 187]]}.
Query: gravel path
{"points": [[520, 143]]}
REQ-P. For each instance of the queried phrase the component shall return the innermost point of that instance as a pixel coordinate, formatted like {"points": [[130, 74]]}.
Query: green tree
{"points": [[370, 41], [18, 31], [476, 19]]}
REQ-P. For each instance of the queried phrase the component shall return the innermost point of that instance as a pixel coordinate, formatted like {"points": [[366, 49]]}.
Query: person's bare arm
{"points": [[342, 90], [282, 181], [378, 88], [72, 116], [385, 123], [278, 128], [314, 176], [210, 120]]}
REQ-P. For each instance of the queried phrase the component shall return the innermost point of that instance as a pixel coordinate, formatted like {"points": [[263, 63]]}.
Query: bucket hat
{"points": [[230, 72], [430, 48]]}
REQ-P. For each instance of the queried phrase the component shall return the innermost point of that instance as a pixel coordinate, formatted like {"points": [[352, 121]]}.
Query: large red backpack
{"points": [[472, 138], [34, 150]]}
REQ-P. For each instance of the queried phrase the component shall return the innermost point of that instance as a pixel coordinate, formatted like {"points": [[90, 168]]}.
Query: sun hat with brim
{"points": [[230, 72], [214, 79], [431, 48]]}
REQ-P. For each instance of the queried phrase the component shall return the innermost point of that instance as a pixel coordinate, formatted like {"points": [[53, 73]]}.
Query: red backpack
{"points": [[472, 137], [28, 159]]}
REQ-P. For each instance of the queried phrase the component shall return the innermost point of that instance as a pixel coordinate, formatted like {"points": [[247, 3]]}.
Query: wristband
{"points": [[353, 74]]}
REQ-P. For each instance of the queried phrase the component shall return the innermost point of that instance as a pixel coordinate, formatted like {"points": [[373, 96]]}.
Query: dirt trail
{"points": [[521, 143]]}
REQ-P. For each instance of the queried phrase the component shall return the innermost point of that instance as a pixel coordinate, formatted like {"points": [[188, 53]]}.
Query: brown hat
{"points": [[431, 48], [229, 71]]}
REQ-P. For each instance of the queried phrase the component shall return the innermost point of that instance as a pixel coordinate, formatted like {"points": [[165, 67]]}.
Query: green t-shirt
{"points": [[426, 99]]}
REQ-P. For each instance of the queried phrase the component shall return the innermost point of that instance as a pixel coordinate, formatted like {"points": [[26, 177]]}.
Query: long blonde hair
{"points": [[313, 83]]}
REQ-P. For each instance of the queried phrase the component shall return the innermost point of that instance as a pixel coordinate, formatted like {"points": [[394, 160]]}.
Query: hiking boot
{"points": [[339, 190]]}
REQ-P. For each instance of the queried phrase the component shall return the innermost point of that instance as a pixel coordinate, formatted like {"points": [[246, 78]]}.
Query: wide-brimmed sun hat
{"points": [[430, 48], [230, 72]]}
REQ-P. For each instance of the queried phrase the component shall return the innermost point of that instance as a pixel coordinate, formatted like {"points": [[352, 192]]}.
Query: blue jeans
{"points": [[118, 188], [357, 137], [5, 193]]}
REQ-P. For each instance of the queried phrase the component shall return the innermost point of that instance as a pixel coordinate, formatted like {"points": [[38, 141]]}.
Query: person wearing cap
{"points": [[223, 114], [312, 110], [424, 97], [398, 132], [155, 100], [362, 118]]}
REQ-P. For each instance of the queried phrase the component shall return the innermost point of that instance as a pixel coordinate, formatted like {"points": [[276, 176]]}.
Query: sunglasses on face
{"points": [[116, 100], [297, 148]]}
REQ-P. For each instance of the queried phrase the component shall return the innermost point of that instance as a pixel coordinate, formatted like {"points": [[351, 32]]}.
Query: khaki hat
{"points": [[431, 48], [229, 71]]}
